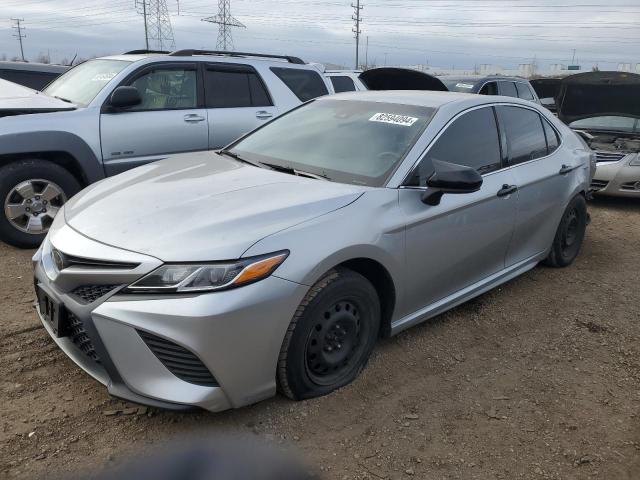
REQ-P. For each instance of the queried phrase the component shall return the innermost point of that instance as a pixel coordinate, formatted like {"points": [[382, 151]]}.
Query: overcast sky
{"points": [[442, 33]]}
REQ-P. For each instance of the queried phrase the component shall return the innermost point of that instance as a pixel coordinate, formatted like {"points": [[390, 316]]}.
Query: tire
{"points": [[39, 186], [570, 234], [331, 336]]}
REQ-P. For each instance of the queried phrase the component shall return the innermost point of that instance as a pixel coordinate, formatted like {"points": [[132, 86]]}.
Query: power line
{"points": [[19, 35], [157, 24], [356, 28], [225, 21]]}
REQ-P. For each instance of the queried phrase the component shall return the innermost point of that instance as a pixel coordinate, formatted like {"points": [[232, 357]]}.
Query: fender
{"points": [[49, 142]]}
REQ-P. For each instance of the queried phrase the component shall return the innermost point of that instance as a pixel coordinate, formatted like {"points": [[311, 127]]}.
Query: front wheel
{"points": [[32, 192], [570, 234], [330, 337]]}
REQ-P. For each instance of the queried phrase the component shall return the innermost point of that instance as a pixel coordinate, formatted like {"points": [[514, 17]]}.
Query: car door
{"points": [[532, 150], [237, 102], [170, 118], [465, 238]]}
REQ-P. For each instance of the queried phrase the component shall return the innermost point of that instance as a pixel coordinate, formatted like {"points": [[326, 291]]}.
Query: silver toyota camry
{"points": [[216, 279]]}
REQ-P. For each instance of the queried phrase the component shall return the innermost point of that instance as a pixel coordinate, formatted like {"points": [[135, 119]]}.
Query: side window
{"points": [[471, 140], [234, 88], [525, 136], [306, 84], [490, 88], [508, 89], [167, 89], [524, 91], [552, 137], [342, 84]]}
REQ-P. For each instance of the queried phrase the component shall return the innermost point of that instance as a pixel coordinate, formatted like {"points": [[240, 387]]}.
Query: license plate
{"points": [[53, 312]]}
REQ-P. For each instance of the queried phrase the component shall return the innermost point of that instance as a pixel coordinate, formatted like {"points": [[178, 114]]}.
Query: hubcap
{"points": [[31, 205], [333, 342], [571, 231]]}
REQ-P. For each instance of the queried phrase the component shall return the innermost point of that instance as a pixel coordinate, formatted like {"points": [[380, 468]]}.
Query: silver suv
{"points": [[114, 113]]}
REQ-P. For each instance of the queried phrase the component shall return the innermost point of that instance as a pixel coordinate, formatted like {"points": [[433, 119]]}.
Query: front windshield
{"points": [[458, 84], [346, 141], [81, 84], [608, 123]]}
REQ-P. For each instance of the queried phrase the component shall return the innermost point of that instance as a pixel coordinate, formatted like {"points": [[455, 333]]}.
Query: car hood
{"points": [[200, 207], [595, 94], [18, 100]]}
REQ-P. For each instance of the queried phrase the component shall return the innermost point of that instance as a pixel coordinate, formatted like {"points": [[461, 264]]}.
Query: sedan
{"points": [[213, 280]]}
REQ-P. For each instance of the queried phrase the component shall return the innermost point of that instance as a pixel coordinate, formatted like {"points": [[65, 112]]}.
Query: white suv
{"points": [[115, 113]]}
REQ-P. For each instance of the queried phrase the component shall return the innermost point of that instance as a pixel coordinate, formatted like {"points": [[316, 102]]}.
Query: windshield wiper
{"points": [[237, 157], [295, 171], [63, 99]]}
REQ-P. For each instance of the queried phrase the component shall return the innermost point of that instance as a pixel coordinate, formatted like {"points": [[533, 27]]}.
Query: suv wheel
{"points": [[32, 192], [570, 234], [330, 337]]}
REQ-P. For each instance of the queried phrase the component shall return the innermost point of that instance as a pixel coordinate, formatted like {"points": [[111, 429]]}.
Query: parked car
{"points": [[603, 106], [345, 80], [118, 112], [547, 90], [394, 78], [210, 278], [492, 85], [32, 75]]}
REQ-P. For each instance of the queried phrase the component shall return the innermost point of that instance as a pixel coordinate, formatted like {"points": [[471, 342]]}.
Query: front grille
{"points": [[90, 293], [65, 260], [598, 184], [79, 337], [178, 360], [609, 156]]}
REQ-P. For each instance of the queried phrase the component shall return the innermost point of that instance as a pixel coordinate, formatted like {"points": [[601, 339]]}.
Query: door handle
{"points": [[507, 190], [566, 169], [193, 118], [263, 115]]}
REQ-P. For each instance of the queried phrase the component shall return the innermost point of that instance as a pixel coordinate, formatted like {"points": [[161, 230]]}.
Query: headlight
{"points": [[173, 278], [636, 161]]}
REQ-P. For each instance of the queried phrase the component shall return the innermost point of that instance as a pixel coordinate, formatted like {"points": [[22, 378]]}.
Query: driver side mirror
{"points": [[125, 97], [450, 178]]}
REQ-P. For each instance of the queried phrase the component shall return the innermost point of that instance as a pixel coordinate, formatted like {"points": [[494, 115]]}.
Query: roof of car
{"points": [[420, 98], [480, 78], [33, 66]]}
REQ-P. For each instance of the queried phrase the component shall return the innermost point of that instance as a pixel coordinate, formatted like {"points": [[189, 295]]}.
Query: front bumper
{"points": [[617, 179], [236, 334]]}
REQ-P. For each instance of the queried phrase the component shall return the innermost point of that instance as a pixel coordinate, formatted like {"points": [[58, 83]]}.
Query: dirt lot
{"points": [[537, 379]]}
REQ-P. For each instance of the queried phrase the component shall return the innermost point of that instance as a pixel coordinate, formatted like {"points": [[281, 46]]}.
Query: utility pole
{"points": [[19, 35], [226, 21], [366, 55], [157, 24], [356, 28]]}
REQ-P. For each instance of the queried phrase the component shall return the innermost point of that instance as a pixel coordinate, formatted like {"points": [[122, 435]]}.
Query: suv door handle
{"points": [[193, 118], [263, 115], [507, 190], [566, 169]]}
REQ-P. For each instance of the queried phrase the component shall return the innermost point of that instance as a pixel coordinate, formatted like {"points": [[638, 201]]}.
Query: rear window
{"points": [[305, 84], [342, 84]]}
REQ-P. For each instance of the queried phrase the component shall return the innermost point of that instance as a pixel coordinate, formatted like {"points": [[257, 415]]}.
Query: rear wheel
{"points": [[570, 234], [32, 192], [330, 337]]}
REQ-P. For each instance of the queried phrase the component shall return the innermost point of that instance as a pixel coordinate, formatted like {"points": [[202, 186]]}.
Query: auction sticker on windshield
{"points": [[394, 119]]}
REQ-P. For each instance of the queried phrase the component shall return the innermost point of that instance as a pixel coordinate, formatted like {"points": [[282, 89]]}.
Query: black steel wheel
{"points": [[570, 234], [330, 337]]}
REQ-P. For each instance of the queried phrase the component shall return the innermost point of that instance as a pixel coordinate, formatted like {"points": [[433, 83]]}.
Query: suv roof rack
{"points": [[191, 52], [143, 51]]}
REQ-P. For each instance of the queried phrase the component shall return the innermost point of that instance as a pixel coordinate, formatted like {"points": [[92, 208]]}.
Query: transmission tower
{"points": [[157, 24], [226, 21], [19, 35], [356, 28]]}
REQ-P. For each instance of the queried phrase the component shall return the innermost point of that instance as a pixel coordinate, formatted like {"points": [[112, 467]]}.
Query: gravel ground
{"points": [[539, 378]]}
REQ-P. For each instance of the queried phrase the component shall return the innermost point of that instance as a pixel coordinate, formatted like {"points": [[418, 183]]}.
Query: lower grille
{"points": [[609, 156], [598, 184], [631, 186], [178, 360], [90, 293], [79, 337]]}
